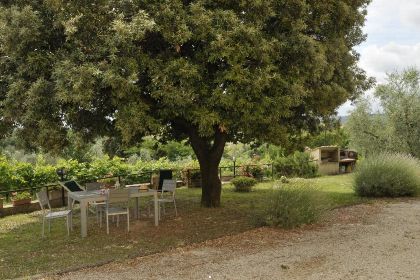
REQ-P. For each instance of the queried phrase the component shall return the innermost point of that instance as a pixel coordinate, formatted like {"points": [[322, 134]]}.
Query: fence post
{"points": [[234, 168]]}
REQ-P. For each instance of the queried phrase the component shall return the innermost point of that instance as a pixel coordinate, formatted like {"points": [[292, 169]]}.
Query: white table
{"points": [[84, 197]]}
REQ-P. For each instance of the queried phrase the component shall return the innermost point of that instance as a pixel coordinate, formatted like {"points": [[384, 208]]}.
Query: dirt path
{"points": [[380, 241]]}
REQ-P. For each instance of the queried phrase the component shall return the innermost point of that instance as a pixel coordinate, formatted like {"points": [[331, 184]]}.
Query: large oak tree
{"points": [[210, 71]]}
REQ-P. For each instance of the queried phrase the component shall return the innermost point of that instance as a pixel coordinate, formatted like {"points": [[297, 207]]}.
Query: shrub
{"points": [[387, 175], [292, 205], [195, 174], [44, 174], [298, 164], [5, 174], [21, 196], [23, 173], [243, 184], [255, 171]]}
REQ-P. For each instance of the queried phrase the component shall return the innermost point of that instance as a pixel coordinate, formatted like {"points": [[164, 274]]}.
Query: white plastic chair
{"points": [[97, 205], [48, 214], [117, 204], [167, 195]]}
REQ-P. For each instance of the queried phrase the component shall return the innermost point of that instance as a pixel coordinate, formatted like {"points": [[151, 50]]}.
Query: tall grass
{"points": [[387, 175], [293, 205]]}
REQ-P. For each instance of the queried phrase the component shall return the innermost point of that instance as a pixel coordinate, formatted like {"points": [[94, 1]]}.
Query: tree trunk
{"points": [[209, 153], [211, 186]]}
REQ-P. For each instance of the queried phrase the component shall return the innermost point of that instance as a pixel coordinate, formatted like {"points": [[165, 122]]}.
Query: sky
{"points": [[393, 43]]}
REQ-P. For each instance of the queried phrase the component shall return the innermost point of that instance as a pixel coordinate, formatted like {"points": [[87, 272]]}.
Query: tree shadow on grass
{"points": [[26, 253]]}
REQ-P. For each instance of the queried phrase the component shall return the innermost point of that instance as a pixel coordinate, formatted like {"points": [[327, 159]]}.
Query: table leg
{"points": [[156, 209], [83, 218], [70, 207], [69, 203]]}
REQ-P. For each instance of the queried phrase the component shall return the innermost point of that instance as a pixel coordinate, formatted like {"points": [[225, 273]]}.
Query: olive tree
{"points": [[396, 126]]}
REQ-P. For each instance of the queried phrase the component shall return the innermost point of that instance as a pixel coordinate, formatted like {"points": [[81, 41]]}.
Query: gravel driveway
{"points": [[374, 241]]}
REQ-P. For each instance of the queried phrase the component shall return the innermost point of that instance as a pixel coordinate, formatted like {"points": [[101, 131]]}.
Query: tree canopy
{"points": [[209, 71]]}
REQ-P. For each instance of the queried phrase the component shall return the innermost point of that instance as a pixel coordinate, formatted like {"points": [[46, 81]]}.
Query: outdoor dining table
{"points": [[84, 197]]}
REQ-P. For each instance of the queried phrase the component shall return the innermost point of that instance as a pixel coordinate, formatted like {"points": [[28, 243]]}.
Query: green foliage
{"points": [[17, 175], [195, 174], [293, 205], [397, 127], [77, 148], [21, 196], [243, 184], [256, 171], [43, 174], [4, 173], [387, 175], [151, 149], [337, 137], [298, 164]]}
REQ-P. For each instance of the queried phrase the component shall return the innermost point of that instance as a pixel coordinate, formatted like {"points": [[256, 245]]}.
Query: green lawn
{"points": [[338, 190], [23, 252]]}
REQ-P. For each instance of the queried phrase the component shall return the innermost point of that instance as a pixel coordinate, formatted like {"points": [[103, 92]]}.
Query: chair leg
{"points": [[128, 221], [100, 219], [68, 225], [71, 221], [43, 227], [107, 224], [118, 220], [176, 212]]}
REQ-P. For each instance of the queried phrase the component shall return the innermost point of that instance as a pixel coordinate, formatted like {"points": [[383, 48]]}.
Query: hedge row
{"points": [[298, 164], [17, 175]]}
